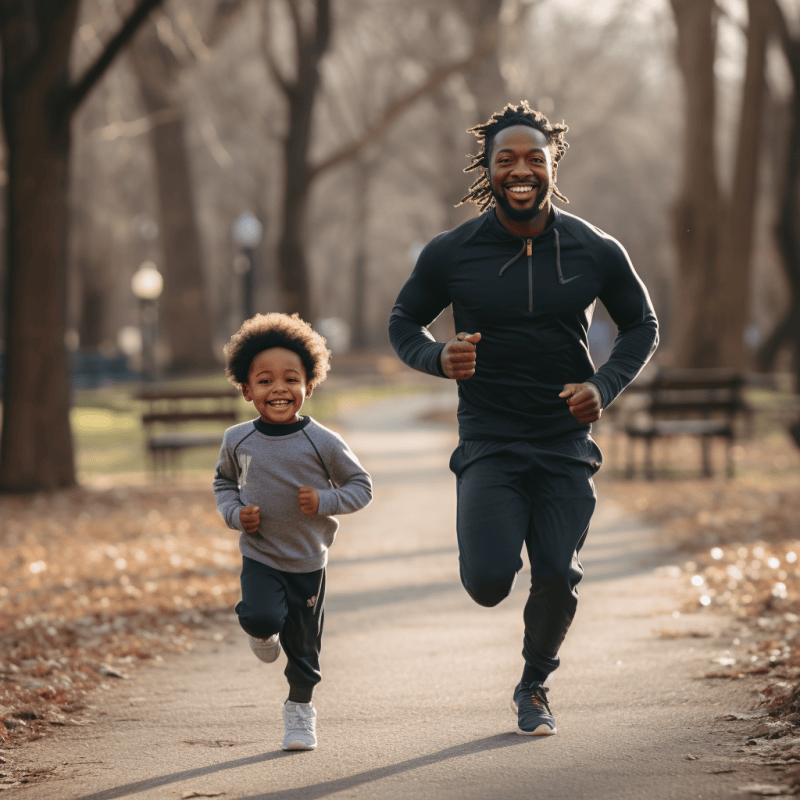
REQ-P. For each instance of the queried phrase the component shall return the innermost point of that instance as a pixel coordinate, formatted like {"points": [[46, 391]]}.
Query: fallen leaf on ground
{"points": [[669, 633], [763, 789], [693, 758], [193, 793], [105, 669], [759, 712]]}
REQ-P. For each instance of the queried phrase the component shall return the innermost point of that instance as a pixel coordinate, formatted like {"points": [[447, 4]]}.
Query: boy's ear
{"points": [[309, 389], [246, 392]]}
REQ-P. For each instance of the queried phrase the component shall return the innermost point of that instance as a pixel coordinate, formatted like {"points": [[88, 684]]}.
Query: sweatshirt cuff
{"points": [[439, 367], [328, 502], [604, 393], [236, 520]]}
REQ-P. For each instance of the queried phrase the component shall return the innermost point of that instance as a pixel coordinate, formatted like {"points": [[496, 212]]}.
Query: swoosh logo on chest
{"points": [[567, 280]]}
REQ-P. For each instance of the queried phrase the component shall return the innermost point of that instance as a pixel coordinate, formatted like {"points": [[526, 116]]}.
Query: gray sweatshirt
{"points": [[265, 465]]}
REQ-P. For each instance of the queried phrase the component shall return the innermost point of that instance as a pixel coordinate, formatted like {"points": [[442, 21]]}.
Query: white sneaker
{"points": [[301, 726], [266, 649]]}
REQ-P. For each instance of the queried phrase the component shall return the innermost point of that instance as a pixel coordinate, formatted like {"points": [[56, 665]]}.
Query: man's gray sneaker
{"points": [[266, 649], [534, 717], [301, 726]]}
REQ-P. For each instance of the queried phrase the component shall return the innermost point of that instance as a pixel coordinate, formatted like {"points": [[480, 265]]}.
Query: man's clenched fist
{"points": [[584, 401], [459, 357], [250, 518]]}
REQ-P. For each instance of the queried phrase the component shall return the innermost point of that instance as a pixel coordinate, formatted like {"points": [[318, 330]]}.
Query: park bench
{"points": [[208, 412], [704, 404]]}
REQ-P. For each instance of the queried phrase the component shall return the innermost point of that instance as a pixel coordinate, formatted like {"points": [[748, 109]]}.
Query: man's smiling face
{"points": [[276, 385], [521, 173]]}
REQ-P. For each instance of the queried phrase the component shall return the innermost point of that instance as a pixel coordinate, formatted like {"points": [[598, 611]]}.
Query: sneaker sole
{"points": [[266, 654], [542, 730], [298, 745]]}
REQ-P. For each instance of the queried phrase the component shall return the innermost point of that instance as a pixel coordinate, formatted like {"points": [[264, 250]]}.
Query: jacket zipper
{"points": [[530, 274]]}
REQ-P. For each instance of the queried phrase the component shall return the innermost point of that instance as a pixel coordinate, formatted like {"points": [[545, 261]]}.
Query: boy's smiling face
{"points": [[276, 385]]}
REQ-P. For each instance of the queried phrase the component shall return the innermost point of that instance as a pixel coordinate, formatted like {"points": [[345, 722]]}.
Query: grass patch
{"points": [[110, 439]]}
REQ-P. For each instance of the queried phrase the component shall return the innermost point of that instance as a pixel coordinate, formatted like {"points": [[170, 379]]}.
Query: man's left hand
{"points": [[584, 401]]}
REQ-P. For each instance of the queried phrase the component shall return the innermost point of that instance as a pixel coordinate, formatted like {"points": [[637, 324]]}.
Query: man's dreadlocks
{"points": [[481, 192]]}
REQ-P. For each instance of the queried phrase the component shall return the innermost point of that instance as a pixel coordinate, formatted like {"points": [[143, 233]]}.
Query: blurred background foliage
{"points": [[141, 131]]}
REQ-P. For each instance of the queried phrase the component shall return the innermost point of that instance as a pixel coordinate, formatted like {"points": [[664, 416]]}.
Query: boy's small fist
{"points": [[250, 518], [309, 500]]}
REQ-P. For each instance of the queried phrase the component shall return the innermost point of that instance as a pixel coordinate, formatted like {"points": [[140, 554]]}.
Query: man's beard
{"points": [[522, 214]]}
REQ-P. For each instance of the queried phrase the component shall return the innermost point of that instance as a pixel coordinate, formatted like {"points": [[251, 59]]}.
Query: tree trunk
{"points": [[184, 306], [36, 449], [292, 264], [698, 211], [364, 167], [737, 240], [484, 78], [300, 95], [787, 229], [38, 101]]}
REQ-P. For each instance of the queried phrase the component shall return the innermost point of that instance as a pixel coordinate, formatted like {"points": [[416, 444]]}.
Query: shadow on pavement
{"points": [[164, 780], [380, 597], [319, 790]]}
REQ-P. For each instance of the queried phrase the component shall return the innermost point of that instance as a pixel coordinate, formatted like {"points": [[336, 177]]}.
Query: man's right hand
{"points": [[250, 518], [458, 356]]}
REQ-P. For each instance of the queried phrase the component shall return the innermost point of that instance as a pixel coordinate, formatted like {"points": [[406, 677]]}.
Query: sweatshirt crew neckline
{"points": [[268, 429]]}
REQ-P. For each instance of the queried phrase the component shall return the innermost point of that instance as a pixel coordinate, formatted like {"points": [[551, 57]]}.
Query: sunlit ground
{"points": [[100, 578]]}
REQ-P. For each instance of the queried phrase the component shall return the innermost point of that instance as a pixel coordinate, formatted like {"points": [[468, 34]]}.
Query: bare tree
{"points": [[739, 224], [158, 70], [787, 228], [714, 237], [39, 100], [311, 40], [300, 171]]}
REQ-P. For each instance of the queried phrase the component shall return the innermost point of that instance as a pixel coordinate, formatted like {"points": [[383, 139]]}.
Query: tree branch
{"points": [[323, 25], [269, 59], [79, 91], [402, 104], [226, 13]]}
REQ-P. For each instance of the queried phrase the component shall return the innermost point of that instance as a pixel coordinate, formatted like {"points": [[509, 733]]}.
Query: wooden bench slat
{"points": [[177, 417], [700, 403], [173, 408], [152, 395], [177, 441]]}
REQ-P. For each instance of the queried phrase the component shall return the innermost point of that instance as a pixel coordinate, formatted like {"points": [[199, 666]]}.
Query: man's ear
{"points": [[309, 389]]}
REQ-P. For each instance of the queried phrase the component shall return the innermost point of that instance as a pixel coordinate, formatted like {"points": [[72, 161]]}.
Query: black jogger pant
{"points": [[539, 494], [288, 603]]}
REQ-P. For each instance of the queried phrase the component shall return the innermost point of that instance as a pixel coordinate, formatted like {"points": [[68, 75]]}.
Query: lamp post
{"points": [[246, 233], [147, 285]]}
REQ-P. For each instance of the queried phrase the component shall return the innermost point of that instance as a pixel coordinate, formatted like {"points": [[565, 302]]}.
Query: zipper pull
{"points": [[530, 247]]}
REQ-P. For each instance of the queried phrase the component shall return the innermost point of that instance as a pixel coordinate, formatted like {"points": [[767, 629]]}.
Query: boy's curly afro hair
{"points": [[264, 331]]}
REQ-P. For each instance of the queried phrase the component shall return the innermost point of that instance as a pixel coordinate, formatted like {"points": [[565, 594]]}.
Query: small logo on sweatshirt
{"points": [[244, 465], [311, 601]]}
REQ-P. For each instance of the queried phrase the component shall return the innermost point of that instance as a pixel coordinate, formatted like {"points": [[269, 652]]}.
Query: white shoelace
{"points": [[298, 720]]}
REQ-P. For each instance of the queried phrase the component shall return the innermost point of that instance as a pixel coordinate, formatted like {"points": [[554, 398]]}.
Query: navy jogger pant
{"points": [[288, 603], [537, 494]]}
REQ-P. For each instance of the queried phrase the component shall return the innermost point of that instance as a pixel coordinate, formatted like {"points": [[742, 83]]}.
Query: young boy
{"points": [[279, 480]]}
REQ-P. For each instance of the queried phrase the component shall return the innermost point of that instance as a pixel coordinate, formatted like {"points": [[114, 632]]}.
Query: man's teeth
{"points": [[520, 189]]}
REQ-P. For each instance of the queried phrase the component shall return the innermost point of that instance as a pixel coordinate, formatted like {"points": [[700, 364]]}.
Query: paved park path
{"points": [[418, 679]]}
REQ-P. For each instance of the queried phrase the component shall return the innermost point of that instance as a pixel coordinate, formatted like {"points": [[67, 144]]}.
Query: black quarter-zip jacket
{"points": [[532, 301]]}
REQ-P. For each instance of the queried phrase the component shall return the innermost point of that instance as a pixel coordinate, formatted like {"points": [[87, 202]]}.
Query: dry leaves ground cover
{"points": [[740, 542], [93, 583]]}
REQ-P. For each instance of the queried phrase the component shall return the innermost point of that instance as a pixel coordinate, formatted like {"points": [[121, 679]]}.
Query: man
{"points": [[523, 278]]}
